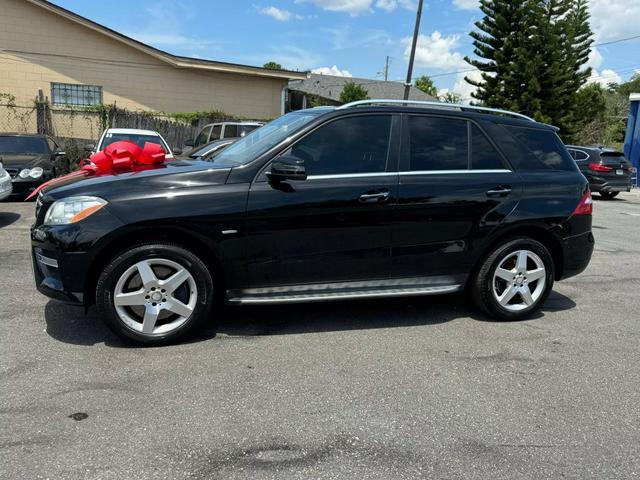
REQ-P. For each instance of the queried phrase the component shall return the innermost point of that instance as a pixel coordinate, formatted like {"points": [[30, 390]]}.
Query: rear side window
{"points": [[483, 155], [539, 150], [230, 131], [348, 145], [438, 144]]}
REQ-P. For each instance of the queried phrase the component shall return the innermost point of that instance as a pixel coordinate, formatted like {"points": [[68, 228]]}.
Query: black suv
{"points": [[607, 170], [371, 199]]}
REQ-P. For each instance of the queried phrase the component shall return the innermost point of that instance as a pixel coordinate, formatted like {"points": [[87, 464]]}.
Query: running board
{"points": [[255, 297]]}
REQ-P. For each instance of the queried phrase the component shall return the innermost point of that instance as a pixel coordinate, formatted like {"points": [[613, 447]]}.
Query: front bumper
{"points": [[24, 187], [577, 251]]}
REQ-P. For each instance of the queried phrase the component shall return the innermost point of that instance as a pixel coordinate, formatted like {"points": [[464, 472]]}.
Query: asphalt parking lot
{"points": [[388, 389]]}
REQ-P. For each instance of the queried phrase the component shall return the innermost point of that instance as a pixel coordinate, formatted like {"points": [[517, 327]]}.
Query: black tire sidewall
{"points": [[121, 262], [483, 286]]}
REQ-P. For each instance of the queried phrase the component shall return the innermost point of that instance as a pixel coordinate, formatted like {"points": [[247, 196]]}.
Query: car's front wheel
{"points": [[514, 280], [155, 293]]}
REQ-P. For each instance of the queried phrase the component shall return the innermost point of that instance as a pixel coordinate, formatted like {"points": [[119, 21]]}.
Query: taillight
{"points": [[585, 207], [597, 167]]}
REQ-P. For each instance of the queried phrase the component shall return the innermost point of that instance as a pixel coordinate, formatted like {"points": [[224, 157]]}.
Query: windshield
{"points": [[16, 144], [262, 139], [138, 139]]}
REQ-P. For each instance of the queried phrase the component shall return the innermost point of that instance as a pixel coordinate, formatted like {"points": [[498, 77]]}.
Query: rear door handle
{"points": [[374, 197], [499, 191]]}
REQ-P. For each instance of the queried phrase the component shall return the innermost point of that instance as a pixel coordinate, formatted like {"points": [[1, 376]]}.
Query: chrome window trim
{"points": [[446, 172], [352, 175]]}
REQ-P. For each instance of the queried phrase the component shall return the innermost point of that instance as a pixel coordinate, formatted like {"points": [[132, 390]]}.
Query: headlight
{"points": [[36, 172], [72, 210], [24, 173]]}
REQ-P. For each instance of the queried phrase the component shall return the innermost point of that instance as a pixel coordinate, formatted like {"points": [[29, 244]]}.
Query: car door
{"points": [[454, 188], [334, 226]]}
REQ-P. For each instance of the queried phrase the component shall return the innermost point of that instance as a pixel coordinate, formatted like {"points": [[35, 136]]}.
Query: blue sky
{"points": [[348, 37]]}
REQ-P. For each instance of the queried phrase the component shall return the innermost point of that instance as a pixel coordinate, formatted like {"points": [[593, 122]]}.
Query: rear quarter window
{"points": [[538, 150]]}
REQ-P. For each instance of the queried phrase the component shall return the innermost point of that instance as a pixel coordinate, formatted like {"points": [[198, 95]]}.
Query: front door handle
{"points": [[372, 197], [499, 191]]}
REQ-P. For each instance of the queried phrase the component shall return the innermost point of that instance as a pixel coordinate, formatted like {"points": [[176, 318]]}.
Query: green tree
{"points": [[273, 65], [451, 97], [352, 92], [425, 84]]}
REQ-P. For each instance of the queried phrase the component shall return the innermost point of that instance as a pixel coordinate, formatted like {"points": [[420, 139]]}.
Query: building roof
{"points": [[330, 86], [173, 60]]}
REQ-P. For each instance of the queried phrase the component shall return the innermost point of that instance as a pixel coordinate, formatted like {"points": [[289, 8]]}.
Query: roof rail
{"points": [[434, 104]]}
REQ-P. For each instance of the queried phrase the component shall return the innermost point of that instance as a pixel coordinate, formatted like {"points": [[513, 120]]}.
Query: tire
{"points": [[490, 285], [158, 305], [608, 195]]}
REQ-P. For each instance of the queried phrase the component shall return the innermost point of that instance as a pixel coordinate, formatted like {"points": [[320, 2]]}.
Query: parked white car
{"points": [[139, 137], [6, 187]]}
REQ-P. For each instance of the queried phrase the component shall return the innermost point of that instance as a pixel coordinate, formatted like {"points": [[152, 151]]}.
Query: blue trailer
{"points": [[632, 137]]}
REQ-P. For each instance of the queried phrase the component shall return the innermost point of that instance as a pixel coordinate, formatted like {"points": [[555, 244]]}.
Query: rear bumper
{"points": [[577, 251], [621, 183]]}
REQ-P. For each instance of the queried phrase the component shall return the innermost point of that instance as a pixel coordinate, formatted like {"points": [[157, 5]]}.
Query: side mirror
{"points": [[287, 167], [60, 153], [189, 143], [177, 151]]}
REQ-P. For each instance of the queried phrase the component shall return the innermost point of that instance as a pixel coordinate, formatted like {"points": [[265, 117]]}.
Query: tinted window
{"points": [[348, 145], [230, 131], [438, 144], [18, 144], [202, 137], [540, 149], [245, 129], [580, 155], [572, 153], [215, 133], [483, 155]]}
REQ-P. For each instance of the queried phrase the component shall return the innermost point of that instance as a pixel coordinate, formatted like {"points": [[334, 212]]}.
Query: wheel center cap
{"points": [[156, 296]]}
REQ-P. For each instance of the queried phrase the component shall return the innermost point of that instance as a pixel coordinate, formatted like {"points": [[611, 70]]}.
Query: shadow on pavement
{"points": [[70, 325], [7, 218]]}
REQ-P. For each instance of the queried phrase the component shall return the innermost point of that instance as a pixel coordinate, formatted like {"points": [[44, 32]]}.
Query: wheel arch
{"points": [[122, 240], [533, 231]]}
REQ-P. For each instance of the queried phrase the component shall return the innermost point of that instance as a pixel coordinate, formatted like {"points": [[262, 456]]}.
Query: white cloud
{"points": [[464, 89], [604, 78], [358, 7], [332, 71], [466, 4], [436, 52], [279, 14], [613, 19], [352, 7], [595, 59]]}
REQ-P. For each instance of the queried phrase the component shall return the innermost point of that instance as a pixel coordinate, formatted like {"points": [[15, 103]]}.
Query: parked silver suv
{"points": [[217, 131]]}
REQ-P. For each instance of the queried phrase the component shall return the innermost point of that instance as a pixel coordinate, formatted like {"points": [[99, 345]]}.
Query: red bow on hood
{"points": [[119, 157]]}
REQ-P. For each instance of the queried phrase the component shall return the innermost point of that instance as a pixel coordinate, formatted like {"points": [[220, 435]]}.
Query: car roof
{"points": [[132, 131]]}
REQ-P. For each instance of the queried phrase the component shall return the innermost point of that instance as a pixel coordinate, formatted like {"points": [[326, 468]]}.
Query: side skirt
{"points": [[400, 287]]}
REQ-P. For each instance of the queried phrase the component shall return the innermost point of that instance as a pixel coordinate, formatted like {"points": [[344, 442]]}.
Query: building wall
{"points": [[45, 47]]}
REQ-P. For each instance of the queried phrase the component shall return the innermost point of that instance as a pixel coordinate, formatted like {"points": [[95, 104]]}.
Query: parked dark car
{"points": [[360, 201], [607, 170], [30, 160], [208, 151]]}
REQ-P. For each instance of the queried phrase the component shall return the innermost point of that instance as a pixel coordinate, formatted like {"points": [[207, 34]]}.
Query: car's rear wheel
{"points": [[608, 195], [514, 280], [155, 293]]}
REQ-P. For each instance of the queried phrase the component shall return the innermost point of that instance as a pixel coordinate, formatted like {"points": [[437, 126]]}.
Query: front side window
{"points": [[437, 144], [358, 144], [76, 95], [215, 133], [203, 137], [483, 155]]}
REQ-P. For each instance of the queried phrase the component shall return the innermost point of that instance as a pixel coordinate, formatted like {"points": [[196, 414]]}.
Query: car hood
{"points": [[20, 160], [171, 178]]}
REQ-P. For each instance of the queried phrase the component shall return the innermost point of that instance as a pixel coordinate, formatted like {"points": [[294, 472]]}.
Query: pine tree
{"points": [[498, 42]]}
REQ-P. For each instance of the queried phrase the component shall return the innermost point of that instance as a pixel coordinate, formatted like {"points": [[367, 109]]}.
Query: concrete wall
{"points": [[45, 47]]}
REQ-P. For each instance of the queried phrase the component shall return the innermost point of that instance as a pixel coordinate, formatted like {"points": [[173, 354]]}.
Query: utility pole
{"points": [[416, 31], [386, 69]]}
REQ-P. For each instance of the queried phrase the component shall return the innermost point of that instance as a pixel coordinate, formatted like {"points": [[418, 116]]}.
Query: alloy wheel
{"points": [[155, 296], [519, 280]]}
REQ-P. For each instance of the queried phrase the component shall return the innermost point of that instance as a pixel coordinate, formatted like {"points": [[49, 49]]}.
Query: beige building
{"points": [[75, 61]]}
